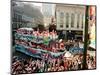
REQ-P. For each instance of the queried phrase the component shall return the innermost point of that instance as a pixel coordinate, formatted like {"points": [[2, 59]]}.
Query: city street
{"points": [[52, 37]]}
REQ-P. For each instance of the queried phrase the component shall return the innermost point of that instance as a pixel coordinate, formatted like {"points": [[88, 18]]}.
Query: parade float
{"points": [[39, 45]]}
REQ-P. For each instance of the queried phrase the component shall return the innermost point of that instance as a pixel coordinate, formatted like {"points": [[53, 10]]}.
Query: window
{"points": [[19, 18], [15, 17], [78, 20], [61, 19], [82, 21], [67, 20], [72, 20]]}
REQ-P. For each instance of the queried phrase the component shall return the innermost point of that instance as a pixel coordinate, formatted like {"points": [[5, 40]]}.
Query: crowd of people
{"points": [[31, 65], [40, 40], [91, 62], [73, 43], [38, 33], [53, 45], [22, 65]]}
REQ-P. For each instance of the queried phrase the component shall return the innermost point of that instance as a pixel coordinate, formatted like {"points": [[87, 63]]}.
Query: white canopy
{"points": [[26, 28], [68, 55]]}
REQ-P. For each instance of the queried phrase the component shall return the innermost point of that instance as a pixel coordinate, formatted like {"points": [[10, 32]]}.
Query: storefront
{"points": [[70, 34], [75, 35]]}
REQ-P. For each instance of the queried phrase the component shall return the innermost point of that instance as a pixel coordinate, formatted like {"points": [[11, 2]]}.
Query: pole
{"points": [[85, 37]]}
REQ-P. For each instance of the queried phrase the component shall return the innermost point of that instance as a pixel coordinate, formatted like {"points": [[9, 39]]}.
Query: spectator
{"points": [[22, 66]]}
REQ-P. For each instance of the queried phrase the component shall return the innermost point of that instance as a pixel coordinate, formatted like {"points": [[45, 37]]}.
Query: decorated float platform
{"points": [[39, 45]]}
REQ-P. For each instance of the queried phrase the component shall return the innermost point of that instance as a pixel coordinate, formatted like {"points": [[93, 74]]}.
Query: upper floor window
{"points": [[72, 20], [67, 20], [78, 20], [61, 19], [82, 21]]}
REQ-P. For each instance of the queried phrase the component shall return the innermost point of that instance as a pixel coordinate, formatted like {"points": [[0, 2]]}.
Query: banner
{"points": [[37, 52], [26, 51], [76, 50], [32, 38]]}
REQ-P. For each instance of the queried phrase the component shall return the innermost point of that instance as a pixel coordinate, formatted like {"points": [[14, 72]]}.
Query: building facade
{"points": [[70, 20], [48, 11], [25, 15]]}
